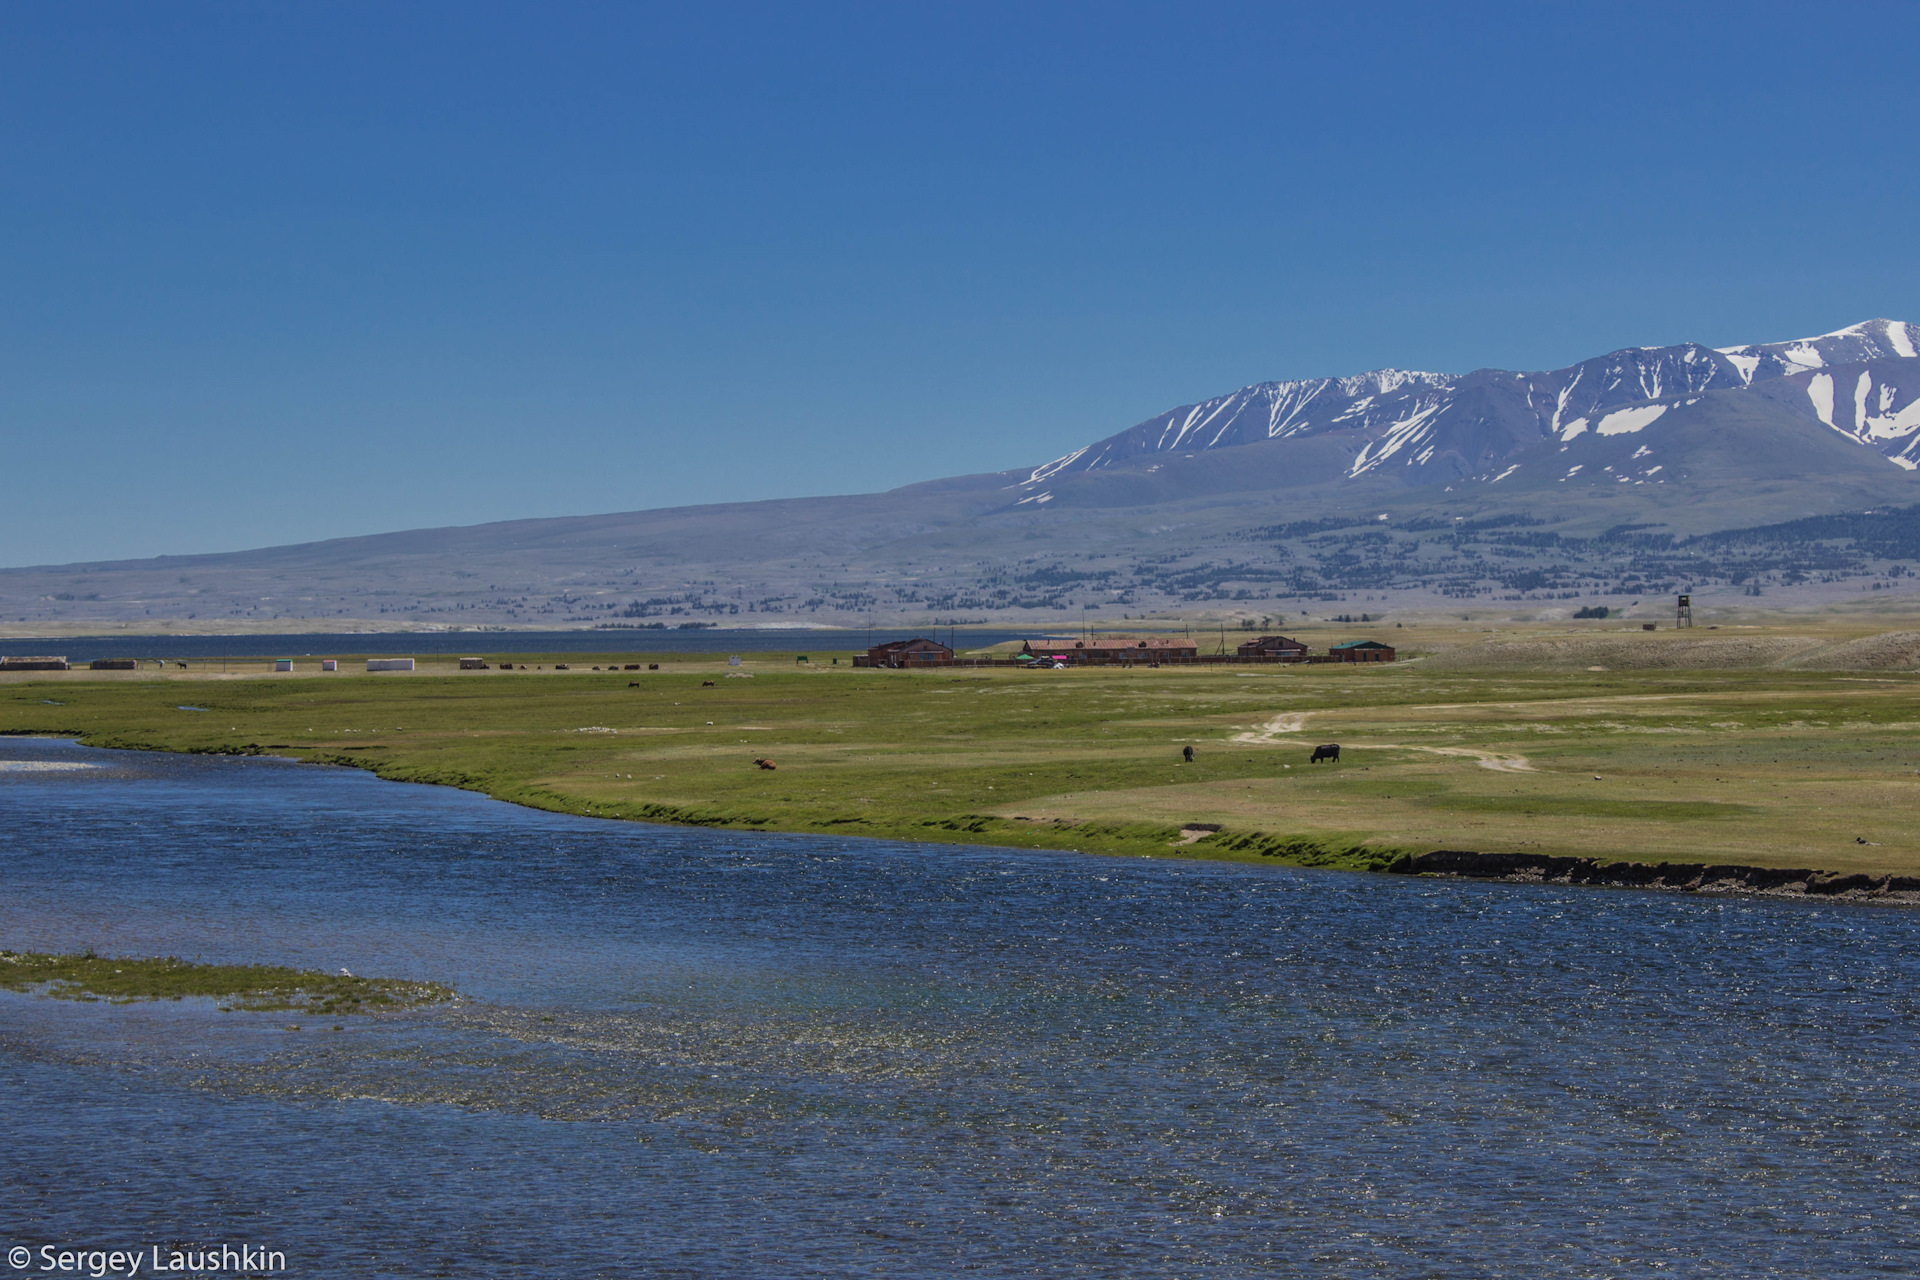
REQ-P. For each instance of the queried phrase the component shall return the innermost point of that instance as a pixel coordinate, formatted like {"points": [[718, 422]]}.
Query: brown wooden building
{"points": [[917, 652], [1361, 651], [1280, 648], [34, 662], [1109, 650]]}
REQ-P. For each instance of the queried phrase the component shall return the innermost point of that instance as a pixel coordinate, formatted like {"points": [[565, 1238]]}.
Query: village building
{"points": [[1278, 648], [34, 662], [1361, 651], [917, 652], [1107, 650]]}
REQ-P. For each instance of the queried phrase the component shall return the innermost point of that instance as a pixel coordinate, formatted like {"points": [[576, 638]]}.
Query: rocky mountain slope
{"points": [[1426, 428], [1638, 471]]}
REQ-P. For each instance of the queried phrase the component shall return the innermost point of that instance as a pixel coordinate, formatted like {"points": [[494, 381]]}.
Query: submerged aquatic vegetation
{"points": [[254, 987]]}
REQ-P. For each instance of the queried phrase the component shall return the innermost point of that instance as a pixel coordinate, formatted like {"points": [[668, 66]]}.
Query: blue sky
{"points": [[273, 273]]}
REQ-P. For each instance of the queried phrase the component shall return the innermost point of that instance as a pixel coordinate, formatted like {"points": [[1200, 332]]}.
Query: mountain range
{"points": [[1425, 428], [1641, 470]]}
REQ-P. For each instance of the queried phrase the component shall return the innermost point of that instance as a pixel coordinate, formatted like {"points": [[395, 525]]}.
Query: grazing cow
{"points": [[1326, 751], [764, 763], [706, 684], [1186, 753]]}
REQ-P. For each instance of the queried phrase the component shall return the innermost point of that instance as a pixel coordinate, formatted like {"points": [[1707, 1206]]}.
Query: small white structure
{"points": [[389, 664], [329, 664], [283, 664]]}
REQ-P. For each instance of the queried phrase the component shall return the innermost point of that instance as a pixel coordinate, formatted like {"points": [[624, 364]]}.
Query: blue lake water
{"points": [[700, 1054], [486, 643]]}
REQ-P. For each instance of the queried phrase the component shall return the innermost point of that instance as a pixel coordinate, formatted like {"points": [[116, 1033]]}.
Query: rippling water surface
{"points": [[701, 1054]]}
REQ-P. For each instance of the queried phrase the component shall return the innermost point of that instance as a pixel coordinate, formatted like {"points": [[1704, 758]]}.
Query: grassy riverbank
{"points": [[1668, 763], [251, 987]]}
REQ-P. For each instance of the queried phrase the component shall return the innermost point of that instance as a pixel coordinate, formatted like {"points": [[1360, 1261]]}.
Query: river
{"points": [[685, 1053]]}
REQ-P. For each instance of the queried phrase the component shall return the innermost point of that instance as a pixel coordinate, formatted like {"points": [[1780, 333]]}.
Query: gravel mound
{"points": [[1894, 651]]}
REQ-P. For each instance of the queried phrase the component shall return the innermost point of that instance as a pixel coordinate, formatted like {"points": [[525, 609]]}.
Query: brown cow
{"points": [[764, 763]]}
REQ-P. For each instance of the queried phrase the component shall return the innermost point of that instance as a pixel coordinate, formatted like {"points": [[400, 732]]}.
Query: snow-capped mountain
{"points": [[1871, 340], [1433, 428]]}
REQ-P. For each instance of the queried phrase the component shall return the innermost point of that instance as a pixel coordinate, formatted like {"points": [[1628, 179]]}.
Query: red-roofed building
{"points": [[1279, 648], [917, 652], [1107, 650]]}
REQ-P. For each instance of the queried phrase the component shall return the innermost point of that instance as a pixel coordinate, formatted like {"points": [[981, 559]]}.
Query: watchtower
{"points": [[1683, 614]]}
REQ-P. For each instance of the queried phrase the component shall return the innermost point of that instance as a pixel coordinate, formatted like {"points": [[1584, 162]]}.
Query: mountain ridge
{"points": [[1396, 413], [1220, 505]]}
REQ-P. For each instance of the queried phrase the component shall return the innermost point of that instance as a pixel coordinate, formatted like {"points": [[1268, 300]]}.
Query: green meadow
{"points": [[1761, 766]]}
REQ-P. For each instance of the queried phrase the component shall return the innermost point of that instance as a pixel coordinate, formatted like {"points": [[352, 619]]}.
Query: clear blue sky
{"points": [[271, 273]]}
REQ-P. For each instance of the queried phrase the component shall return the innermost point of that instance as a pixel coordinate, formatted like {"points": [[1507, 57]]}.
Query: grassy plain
{"points": [[1675, 761]]}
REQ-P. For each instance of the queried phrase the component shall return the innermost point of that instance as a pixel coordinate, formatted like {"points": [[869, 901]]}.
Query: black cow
{"points": [[1187, 754], [1326, 751]]}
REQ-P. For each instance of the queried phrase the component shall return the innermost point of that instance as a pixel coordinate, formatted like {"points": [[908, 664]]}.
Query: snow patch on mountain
{"points": [[1879, 414], [1820, 393], [1056, 466], [1399, 435], [1627, 421]]}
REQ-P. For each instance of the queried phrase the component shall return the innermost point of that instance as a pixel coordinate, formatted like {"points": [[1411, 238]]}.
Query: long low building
{"points": [[35, 662], [1280, 648], [1107, 650], [1361, 651], [917, 652]]}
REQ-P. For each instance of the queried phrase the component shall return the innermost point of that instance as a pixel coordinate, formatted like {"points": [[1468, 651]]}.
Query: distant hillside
{"points": [[1634, 473]]}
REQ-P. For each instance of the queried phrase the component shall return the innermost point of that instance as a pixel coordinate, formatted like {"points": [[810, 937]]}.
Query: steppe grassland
{"points": [[1780, 767]]}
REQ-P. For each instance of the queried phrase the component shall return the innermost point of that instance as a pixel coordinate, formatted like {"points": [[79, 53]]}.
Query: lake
{"points": [[688, 1053], [446, 644]]}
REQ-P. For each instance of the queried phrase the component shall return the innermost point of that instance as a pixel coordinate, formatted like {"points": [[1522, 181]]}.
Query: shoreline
{"points": [[1683, 877], [1261, 848]]}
